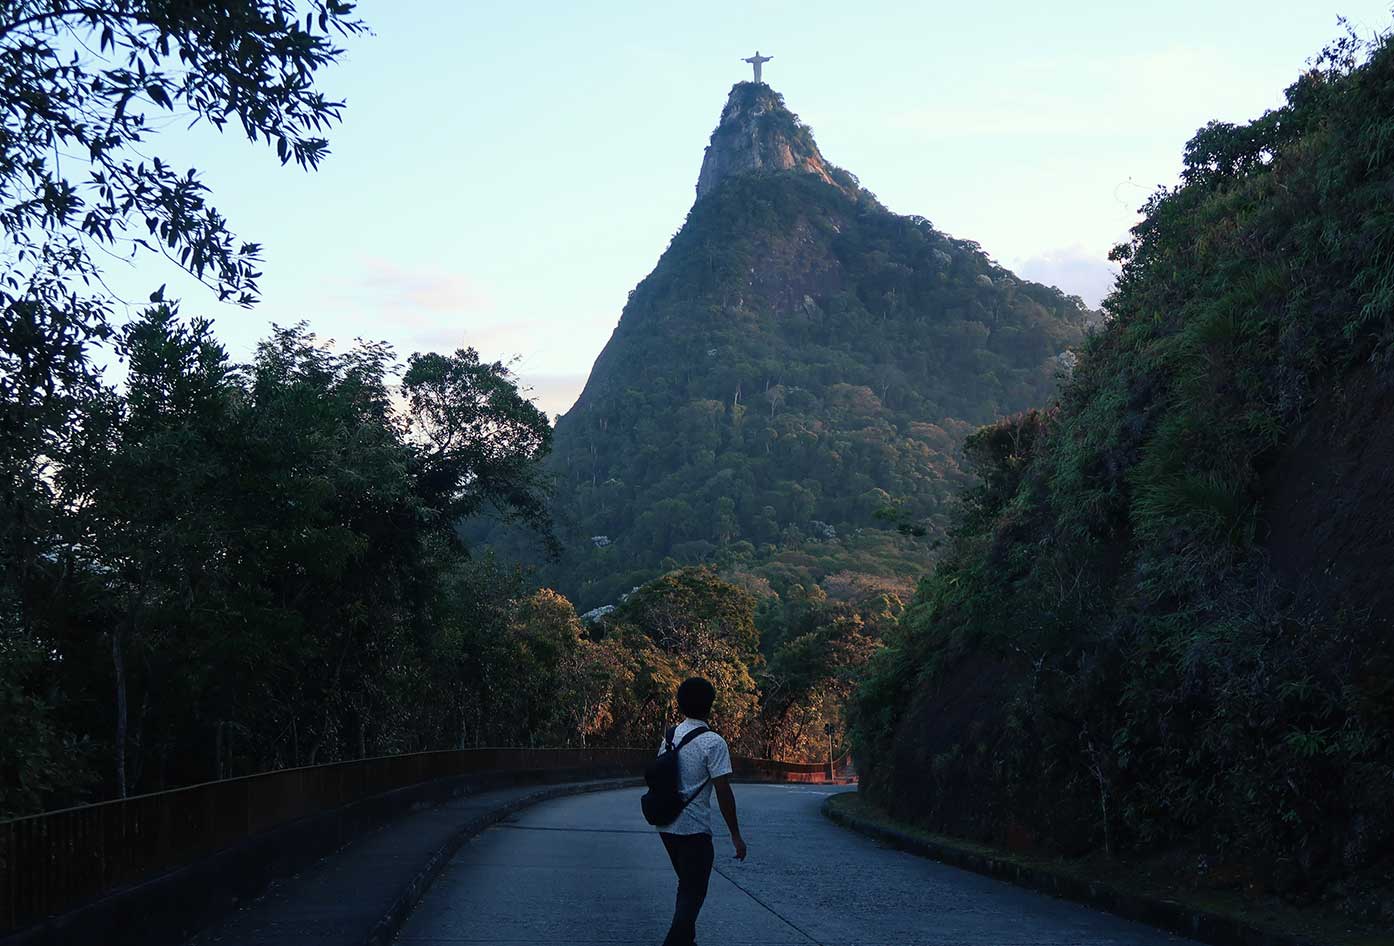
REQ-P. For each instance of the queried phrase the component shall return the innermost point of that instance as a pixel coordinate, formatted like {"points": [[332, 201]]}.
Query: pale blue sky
{"points": [[507, 172]]}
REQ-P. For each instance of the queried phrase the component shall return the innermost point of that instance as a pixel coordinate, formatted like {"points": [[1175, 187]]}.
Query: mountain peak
{"points": [[757, 133]]}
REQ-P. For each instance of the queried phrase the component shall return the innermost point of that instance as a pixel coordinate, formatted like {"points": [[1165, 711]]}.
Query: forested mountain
{"points": [[1163, 629], [786, 394]]}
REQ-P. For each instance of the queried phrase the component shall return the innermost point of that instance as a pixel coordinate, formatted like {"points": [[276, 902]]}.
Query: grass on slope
{"points": [[1152, 879]]}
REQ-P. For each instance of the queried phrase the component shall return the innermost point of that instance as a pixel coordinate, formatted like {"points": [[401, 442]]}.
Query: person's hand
{"points": [[739, 843]]}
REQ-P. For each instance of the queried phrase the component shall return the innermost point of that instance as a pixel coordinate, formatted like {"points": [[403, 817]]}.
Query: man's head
{"points": [[695, 697]]}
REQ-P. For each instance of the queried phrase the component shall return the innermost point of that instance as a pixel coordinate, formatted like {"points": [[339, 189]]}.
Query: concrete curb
{"points": [[392, 921], [1202, 925]]}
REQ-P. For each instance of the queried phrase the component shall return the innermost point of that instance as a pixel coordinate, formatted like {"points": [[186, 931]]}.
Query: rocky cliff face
{"points": [[758, 133]]}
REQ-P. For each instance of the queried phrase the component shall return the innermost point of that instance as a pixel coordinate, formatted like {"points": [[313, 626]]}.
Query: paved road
{"points": [[587, 870]]}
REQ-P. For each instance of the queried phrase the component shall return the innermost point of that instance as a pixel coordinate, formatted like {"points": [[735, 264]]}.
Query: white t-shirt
{"points": [[705, 757]]}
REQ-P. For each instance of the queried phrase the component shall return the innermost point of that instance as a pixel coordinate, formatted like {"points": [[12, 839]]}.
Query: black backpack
{"points": [[663, 802]]}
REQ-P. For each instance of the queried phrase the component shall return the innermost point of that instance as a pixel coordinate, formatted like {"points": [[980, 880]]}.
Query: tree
{"points": [[809, 679], [83, 86], [672, 608], [480, 438], [334, 571], [1160, 616], [144, 498], [77, 181], [690, 622], [251, 63], [544, 635], [597, 680]]}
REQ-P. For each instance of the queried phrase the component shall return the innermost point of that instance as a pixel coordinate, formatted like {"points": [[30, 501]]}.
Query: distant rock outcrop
{"points": [[786, 395], [758, 133]]}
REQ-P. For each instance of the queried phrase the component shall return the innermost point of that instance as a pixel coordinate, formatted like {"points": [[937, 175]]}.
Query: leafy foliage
{"points": [[483, 438], [217, 568], [691, 622], [84, 85], [1116, 654], [819, 647], [787, 392], [103, 523], [783, 404], [259, 565], [688, 623]]}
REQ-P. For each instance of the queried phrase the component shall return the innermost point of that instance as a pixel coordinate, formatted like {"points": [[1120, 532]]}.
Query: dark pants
{"points": [[691, 855]]}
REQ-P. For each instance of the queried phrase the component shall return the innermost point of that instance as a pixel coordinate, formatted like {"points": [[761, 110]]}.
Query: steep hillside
{"points": [[787, 392], [1163, 628]]}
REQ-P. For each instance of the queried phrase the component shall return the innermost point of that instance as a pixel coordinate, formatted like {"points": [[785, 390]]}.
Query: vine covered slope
{"points": [[1163, 624]]}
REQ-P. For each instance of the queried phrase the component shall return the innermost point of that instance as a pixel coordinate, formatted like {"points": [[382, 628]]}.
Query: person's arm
{"points": [[726, 799]]}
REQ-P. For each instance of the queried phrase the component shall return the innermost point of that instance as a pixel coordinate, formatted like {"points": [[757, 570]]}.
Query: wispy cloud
{"points": [[416, 295], [1073, 269], [553, 393], [433, 310], [440, 311]]}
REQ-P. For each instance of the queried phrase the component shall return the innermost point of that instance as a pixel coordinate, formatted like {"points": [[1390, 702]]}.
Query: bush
{"points": [[1117, 653]]}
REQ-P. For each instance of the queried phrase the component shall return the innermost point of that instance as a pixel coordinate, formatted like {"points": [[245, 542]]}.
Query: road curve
{"points": [[587, 870]]}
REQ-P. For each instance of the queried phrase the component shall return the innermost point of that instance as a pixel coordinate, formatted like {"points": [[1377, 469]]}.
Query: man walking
{"points": [[704, 766]]}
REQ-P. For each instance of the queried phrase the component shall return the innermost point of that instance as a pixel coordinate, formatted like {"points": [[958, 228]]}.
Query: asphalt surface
{"points": [[587, 870], [339, 899]]}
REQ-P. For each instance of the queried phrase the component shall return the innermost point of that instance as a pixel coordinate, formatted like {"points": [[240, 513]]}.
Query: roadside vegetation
{"points": [[1163, 622], [1112, 884], [210, 568]]}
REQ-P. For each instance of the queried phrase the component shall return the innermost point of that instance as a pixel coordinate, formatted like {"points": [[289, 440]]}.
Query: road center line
{"points": [[532, 827], [782, 918]]}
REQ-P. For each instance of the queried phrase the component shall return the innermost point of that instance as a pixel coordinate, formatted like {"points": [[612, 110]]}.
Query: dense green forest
{"points": [[1156, 623], [210, 568], [232, 568], [1162, 628], [786, 394]]}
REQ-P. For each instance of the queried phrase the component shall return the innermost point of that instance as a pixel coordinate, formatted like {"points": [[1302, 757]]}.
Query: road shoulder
{"points": [[362, 894], [1117, 893]]}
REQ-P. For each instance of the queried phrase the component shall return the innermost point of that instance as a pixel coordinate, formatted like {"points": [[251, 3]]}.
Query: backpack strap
{"points": [[695, 792], [686, 739], [668, 738]]}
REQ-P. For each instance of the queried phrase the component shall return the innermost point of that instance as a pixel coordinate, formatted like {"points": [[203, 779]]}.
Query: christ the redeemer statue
{"points": [[757, 61]]}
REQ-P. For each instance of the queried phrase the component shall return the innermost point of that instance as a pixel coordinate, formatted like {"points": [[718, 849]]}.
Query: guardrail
{"points": [[54, 862]]}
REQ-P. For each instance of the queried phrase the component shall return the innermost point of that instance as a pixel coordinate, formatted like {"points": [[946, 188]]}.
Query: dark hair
{"points": [[695, 698]]}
